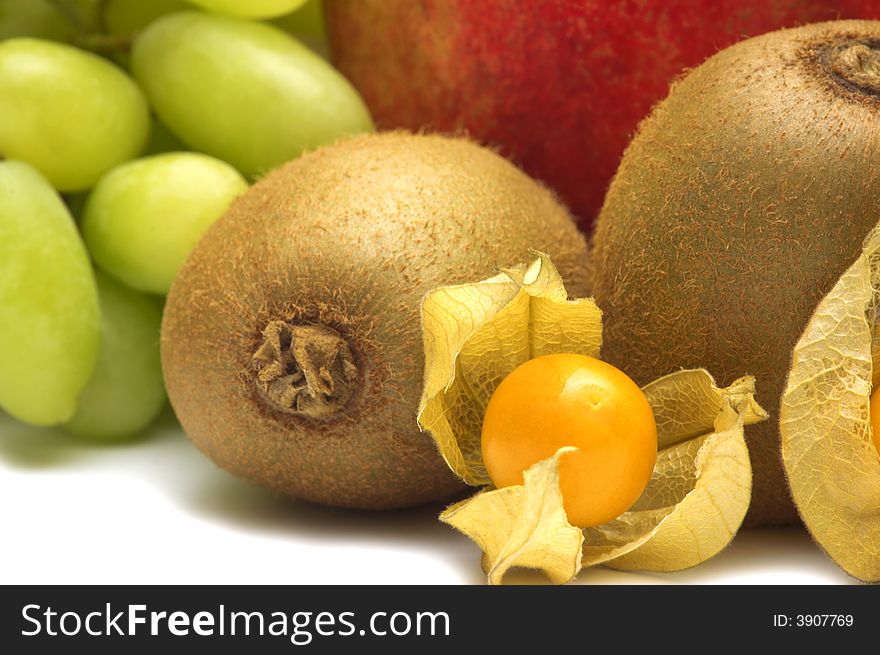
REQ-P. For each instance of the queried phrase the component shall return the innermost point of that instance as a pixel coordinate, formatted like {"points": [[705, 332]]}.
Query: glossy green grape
{"points": [[70, 114], [49, 316], [250, 8], [143, 218], [242, 91], [126, 390]]}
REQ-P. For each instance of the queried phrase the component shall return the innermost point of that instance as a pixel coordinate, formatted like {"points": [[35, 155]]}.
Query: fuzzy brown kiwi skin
{"points": [[740, 201], [348, 238]]}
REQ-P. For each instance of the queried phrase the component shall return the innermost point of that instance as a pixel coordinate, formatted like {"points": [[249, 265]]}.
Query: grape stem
{"points": [[101, 16], [92, 35]]}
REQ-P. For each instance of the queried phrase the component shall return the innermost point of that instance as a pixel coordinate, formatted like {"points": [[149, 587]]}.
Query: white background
{"points": [[157, 511]]}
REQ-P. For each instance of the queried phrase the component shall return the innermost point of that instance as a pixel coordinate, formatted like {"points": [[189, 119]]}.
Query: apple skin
{"points": [[559, 86]]}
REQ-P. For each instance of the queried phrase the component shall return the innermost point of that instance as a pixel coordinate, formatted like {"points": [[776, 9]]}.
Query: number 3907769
{"points": [[839, 620]]}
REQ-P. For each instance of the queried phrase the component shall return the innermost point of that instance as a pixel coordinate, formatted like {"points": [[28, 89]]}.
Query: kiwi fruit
{"points": [[291, 340], [741, 200]]}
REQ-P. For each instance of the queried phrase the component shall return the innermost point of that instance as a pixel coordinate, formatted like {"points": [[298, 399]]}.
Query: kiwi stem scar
{"points": [[856, 64], [306, 370]]}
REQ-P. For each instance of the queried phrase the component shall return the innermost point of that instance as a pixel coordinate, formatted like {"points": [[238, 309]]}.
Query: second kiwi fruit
{"points": [[739, 203]]}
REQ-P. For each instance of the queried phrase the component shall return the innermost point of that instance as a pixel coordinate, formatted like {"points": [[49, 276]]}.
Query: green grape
{"points": [[126, 391], [250, 8], [243, 91], [49, 317], [70, 114], [143, 218], [127, 17]]}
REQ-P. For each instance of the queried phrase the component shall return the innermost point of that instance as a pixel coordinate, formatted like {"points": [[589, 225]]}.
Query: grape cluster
{"points": [[127, 127]]}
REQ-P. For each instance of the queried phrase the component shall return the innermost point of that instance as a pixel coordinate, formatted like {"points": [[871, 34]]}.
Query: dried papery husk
{"points": [[476, 334], [689, 512], [832, 465], [522, 525], [701, 488]]}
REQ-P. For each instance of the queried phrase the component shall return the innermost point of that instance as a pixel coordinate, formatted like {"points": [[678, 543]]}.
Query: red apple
{"points": [[558, 85]]}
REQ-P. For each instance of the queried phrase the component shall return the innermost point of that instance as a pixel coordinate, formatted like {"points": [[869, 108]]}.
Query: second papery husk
{"points": [[832, 465]]}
